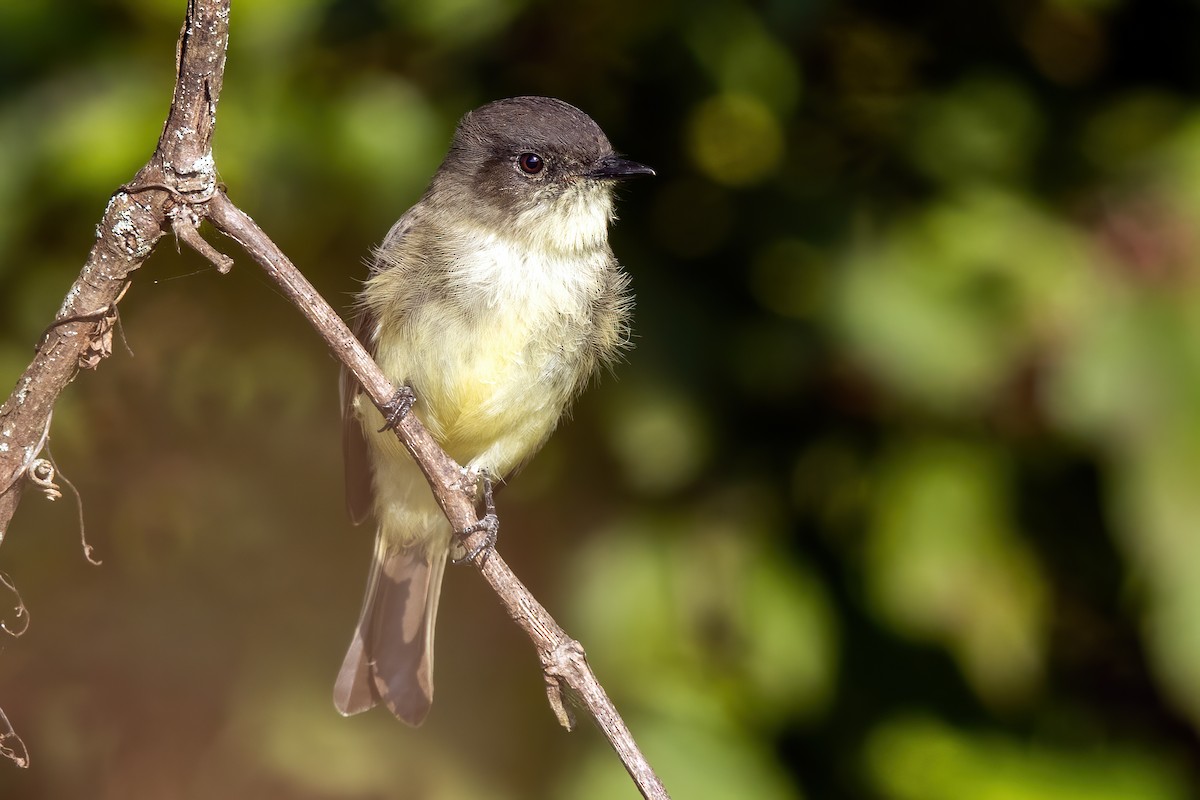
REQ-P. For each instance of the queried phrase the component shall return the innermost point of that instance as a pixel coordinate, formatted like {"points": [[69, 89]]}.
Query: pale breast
{"points": [[497, 359]]}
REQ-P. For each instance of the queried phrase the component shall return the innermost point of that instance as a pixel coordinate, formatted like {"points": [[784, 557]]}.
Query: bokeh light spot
{"points": [[734, 139]]}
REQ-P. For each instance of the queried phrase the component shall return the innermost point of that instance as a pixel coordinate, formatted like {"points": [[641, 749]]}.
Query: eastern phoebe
{"points": [[496, 298]]}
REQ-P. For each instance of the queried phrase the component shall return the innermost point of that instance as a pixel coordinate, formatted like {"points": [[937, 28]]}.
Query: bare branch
{"points": [[175, 190], [455, 496], [180, 171], [562, 658]]}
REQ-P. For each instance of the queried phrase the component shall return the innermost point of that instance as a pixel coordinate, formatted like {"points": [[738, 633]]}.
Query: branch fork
{"points": [[174, 192]]}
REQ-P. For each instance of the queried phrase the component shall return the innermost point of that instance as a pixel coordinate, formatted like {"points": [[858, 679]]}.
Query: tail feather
{"points": [[390, 658]]}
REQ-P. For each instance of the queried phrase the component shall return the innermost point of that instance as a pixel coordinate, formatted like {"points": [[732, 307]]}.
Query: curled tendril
{"points": [[41, 472], [11, 746], [22, 613]]}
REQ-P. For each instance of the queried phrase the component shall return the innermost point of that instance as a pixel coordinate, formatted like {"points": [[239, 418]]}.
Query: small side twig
{"points": [[185, 231]]}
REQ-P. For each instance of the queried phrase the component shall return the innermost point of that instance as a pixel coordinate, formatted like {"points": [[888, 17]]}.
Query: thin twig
{"points": [[20, 612], [185, 231], [562, 658], [11, 746], [177, 189]]}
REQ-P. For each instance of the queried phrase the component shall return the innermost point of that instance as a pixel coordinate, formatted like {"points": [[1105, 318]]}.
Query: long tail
{"points": [[390, 659]]}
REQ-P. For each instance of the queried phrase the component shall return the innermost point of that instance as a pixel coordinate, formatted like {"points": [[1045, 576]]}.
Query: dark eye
{"points": [[530, 163]]}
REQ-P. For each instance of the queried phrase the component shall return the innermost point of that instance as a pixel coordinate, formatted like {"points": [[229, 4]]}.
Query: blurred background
{"points": [[897, 498]]}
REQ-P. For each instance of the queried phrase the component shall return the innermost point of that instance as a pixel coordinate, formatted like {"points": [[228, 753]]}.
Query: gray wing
{"points": [[359, 490]]}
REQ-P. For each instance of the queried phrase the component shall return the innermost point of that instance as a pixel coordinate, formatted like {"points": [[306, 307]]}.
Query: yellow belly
{"points": [[489, 391]]}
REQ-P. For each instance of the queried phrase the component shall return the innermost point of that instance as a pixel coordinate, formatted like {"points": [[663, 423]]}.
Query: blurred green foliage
{"points": [[898, 495]]}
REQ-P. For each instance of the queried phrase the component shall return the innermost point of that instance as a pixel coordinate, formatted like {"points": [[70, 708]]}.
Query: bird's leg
{"points": [[398, 407], [489, 523]]}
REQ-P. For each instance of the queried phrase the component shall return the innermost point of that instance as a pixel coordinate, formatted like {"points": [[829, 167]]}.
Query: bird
{"points": [[494, 301]]}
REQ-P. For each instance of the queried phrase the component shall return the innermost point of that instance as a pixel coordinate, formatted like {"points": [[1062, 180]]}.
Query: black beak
{"points": [[615, 168]]}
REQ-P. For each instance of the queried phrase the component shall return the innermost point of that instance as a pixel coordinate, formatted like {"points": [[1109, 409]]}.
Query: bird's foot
{"points": [[398, 407], [489, 523]]}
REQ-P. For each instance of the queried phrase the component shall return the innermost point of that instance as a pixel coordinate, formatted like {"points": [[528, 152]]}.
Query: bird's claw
{"points": [[489, 523], [398, 407]]}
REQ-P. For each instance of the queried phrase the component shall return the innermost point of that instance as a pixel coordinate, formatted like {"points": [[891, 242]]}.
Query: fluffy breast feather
{"points": [[498, 354]]}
